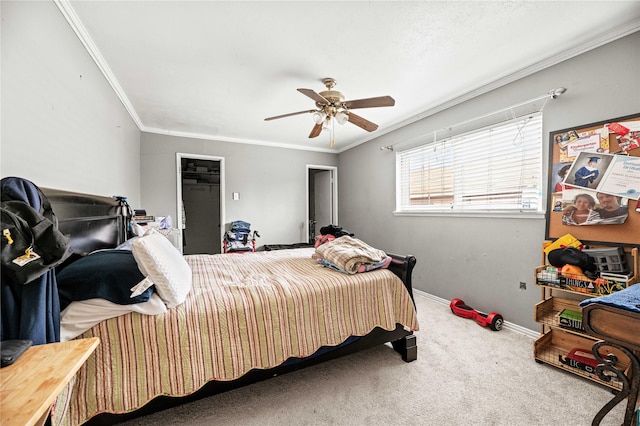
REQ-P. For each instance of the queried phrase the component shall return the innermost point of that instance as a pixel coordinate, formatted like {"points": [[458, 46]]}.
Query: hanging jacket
{"points": [[29, 311]]}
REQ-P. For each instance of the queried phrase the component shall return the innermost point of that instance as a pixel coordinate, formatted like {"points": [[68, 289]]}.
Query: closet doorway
{"points": [[322, 199], [200, 201]]}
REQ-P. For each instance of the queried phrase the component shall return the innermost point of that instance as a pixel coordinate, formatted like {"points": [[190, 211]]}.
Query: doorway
{"points": [[200, 201], [322, 199]]}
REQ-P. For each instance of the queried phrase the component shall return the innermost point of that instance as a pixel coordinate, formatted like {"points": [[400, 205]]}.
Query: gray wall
{"points": [[271, 182], [483, 259], [62, 124]]}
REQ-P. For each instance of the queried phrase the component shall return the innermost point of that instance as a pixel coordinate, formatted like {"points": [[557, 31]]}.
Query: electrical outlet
{"points": [[523, 285]]}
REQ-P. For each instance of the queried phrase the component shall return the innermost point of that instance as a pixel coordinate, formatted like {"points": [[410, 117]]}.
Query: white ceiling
{"points": [[216, 69]]}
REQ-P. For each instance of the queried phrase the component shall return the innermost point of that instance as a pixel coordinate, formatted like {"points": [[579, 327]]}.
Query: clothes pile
{"points": [[351, 255]]}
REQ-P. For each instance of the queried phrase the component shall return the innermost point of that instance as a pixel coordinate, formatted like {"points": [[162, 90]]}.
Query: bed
{"points": [[246, 318]]}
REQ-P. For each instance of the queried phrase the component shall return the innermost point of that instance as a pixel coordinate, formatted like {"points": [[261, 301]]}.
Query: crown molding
{"points": [[78, 27]]}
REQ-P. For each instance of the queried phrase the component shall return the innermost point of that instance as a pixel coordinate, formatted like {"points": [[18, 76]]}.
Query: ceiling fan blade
{"points": [[380, 101], [361, 122], [290, 114], [316, 130], [313, 95]]}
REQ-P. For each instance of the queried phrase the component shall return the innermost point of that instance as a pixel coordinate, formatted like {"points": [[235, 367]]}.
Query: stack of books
{"points": [[141, 216]]}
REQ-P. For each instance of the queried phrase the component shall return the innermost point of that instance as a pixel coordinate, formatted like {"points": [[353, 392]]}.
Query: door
{"points": [[200, 192], [322, 199]]}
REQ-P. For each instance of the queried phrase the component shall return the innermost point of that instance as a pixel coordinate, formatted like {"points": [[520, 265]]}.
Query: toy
{"points": [[493, 320], [582, 359]]}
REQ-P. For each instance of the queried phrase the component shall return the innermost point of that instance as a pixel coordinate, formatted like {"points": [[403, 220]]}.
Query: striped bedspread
{"points": [[245, 311]]}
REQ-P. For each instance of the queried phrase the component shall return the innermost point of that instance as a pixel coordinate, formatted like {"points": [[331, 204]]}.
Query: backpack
{"points": [[31, 243]]}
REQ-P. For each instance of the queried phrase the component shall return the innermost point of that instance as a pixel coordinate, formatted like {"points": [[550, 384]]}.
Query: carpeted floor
{"points": [[465, 375]]}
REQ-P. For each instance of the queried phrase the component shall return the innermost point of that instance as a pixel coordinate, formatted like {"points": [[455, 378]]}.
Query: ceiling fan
{"points": [[331, 105]]}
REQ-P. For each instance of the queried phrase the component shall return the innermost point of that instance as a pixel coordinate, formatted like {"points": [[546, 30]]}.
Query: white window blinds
{"points": [[498, 168]]}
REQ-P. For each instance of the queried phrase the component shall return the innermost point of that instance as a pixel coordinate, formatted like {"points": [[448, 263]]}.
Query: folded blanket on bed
{"points": [[350, 255], [628, 299]]}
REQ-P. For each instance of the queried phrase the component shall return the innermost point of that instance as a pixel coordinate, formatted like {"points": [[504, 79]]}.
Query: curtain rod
{"points": [[552, 94]]}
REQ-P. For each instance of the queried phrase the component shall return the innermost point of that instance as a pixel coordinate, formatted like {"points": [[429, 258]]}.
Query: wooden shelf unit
{"points": [[556, 341]]}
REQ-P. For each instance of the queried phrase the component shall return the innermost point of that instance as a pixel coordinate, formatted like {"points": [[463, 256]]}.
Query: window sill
{"points": [[474, 214]]}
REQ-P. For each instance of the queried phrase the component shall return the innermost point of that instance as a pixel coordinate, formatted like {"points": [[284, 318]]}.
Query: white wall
{"points": [[483, 260], [62, 124], [271, 182]]}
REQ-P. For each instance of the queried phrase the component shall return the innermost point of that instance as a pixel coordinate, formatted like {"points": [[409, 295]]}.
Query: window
{"points": [[494, 169]]}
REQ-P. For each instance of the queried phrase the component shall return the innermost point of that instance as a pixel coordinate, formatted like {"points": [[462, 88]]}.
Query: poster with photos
{"points": [[583, 207], [588, 170], [615, 181], [572, 143], [617, 175]]}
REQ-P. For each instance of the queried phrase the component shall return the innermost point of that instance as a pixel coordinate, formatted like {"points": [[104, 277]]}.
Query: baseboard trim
{"points": [[509, 325]]}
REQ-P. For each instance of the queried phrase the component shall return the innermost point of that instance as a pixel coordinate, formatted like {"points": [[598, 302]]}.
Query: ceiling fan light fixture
{"points": [[342, 117], [318, 117], [327, 123]]}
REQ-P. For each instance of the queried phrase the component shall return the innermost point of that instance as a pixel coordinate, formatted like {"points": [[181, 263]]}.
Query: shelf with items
{"points": [[206, 178], [200, 172], [612, 276], [572, 353], [550, 277], [563, 342], [559, 312]]}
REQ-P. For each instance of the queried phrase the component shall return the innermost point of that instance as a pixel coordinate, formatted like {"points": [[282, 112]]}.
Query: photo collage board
{"points": [[594, 182]]}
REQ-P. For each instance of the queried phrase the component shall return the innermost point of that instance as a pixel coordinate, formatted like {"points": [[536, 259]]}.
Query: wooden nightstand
{"points": [[29, 387]]}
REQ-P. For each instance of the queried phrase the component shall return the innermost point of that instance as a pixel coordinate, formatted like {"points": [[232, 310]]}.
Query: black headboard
{"points": [[92, 222]]}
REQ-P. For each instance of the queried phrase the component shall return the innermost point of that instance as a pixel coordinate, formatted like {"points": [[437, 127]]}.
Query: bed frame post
{"points": [[406, 347], [403, 266]]}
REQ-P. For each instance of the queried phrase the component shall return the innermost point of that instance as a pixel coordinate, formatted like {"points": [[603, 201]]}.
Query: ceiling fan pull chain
{"points": [[333, 141]]}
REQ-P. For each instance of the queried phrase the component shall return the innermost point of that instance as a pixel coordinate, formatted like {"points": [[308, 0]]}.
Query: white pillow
{"points": [[81, 315], [163, 264]]}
